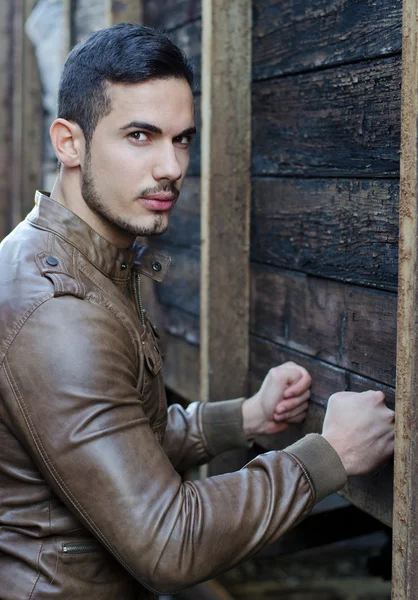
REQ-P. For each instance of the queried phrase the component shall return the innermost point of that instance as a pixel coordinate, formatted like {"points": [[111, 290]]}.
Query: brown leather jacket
{"points": [[91, 502]]}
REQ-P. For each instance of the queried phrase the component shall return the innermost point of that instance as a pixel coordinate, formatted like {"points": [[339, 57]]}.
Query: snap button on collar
{"points": [[52, 261], [156, 265]]}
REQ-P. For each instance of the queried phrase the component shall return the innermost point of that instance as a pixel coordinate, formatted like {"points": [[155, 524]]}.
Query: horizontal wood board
{"points": [[167, 15], [349, 326], [265, 354], [339, 122], [295, 35], [373, 493], [344, 229]]}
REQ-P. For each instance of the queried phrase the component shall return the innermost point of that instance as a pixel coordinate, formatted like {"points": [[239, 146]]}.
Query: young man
{"points": [[92, 505]]}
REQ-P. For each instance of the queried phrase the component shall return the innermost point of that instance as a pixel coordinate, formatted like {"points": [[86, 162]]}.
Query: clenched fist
{"points": [[282, 399], [360, 428]]}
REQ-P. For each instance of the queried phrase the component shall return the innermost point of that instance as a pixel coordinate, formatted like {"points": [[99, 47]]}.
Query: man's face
{"points": [[139, 155]]}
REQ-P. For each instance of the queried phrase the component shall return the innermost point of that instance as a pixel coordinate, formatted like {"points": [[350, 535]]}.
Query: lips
{"points": [[161, 201]]}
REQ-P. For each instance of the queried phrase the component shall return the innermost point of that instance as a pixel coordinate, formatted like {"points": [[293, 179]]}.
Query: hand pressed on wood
{"points": [[360, 428], [282, 399]]}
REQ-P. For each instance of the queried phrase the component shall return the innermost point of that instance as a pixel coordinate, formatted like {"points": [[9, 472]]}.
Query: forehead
{"points": [[162, 102]]}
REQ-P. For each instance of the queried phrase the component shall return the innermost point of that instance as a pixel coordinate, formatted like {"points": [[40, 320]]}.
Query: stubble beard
{"points": [[94, 202]]}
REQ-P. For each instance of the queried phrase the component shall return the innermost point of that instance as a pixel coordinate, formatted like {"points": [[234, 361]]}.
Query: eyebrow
{"points": [[154, 128]]}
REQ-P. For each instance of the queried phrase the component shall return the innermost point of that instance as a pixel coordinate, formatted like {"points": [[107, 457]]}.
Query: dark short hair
{"points": [[124, 53]]}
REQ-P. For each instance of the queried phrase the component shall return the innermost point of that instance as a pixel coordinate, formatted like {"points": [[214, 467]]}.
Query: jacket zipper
{"points": [[139, 299], [80, 547]]}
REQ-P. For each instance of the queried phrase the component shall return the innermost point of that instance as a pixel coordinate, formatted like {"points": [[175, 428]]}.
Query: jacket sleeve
{"points": [[69, 382], [196, 434]]}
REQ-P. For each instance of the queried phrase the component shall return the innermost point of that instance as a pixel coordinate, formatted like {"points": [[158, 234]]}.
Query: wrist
{"points": [[252, 420], [344, 456]]}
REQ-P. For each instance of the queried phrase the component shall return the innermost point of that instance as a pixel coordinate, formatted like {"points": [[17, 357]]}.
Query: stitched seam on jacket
{"points": [[18, 325], [305, 472], [71, 243], [38, 571], [38, 443], [106, 303]]}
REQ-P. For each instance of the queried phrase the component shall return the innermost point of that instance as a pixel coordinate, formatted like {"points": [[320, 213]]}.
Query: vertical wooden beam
{"points": [[405, 523], [68, 27], [122, 11], [26, 115], [32, 114], [5, 116], [225, 192], [16, 80]]}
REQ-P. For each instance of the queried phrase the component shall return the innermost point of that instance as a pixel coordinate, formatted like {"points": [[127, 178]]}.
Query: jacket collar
{"points": [[114, 262]]}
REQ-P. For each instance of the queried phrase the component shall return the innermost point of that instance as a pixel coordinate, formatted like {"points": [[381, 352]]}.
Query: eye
{"points": [[138, 136], [183, 140]]}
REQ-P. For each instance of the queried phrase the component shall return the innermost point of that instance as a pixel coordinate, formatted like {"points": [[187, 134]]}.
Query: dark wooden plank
{"points": [[327, 378], [170, 14], [346, 325], [338, 122], [181, 286], [373, 493], [180, 324], [338, 228], [295, 35], [405, 522], [189, 39], [181, 367]]}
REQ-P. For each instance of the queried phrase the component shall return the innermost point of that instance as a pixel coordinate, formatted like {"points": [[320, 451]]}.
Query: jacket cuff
{"points": [[222, 426], [321, 462]]}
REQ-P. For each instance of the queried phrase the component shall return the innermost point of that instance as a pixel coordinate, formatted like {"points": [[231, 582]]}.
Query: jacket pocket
{"points": [[86, 547]]}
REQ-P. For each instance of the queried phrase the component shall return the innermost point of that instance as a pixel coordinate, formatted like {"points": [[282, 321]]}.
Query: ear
{"points": [[68, 141]]}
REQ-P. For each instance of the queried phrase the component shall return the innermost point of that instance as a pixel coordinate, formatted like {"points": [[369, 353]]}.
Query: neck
{"points": [[67, 191]]}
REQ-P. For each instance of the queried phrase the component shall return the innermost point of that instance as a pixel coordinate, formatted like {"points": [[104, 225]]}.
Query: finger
{"points": [[299, 386], [298, 418], [287, 405], [302, 409]]}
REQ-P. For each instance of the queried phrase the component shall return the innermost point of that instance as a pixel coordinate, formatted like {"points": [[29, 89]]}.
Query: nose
{"points": [[167, 165]]}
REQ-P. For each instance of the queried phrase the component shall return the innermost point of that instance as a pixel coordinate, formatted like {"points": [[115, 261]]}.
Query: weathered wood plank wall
{"points": [[21, 116], [325, 188]]}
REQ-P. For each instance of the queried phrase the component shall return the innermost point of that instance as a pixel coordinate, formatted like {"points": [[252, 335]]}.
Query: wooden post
{"points": [[225, 193], [26, 115], [405, 522], [130, 11]]}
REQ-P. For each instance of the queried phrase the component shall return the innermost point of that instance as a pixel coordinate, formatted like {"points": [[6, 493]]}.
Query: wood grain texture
{"points": [[226, 113], [170, 14], [181, 287], [372, 493], [345, 325], [189, 38], [181, 367], [89, 16], [405, 521], [25, 111], [345, 229], [122, 11], [294, 35], [338, 122], [31, 121], [5, 117]]}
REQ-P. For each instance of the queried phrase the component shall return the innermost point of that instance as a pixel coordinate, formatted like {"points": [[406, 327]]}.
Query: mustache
{"points": [[168, 187]]}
